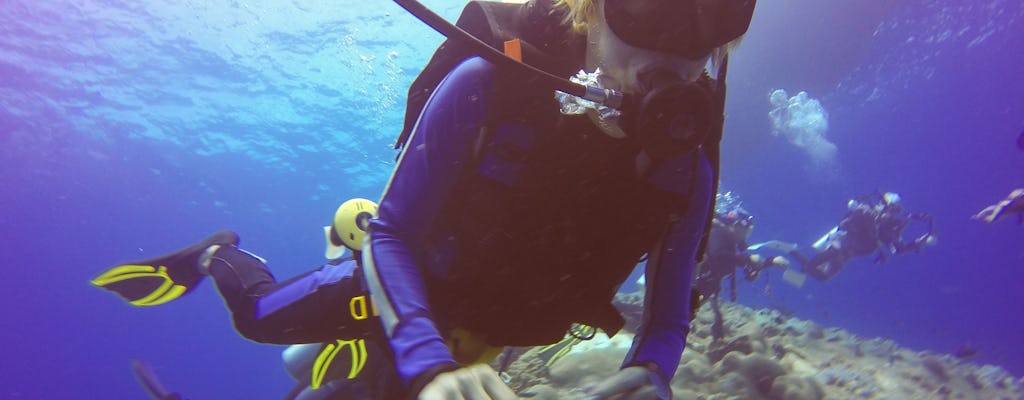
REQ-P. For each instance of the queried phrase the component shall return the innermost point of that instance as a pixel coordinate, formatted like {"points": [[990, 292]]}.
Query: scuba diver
{"points": [[1012, 204], [873, 224], [728, 250], [300, 310], [513, 214]]}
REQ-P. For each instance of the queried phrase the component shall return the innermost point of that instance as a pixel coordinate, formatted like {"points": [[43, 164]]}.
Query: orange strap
{"points": [[514, 49]]}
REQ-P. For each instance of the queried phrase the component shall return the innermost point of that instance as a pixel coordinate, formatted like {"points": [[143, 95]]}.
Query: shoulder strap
{"points": [[538, 23]]}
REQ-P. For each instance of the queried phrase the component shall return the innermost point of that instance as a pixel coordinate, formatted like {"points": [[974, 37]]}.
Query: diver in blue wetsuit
{"points": [[511, 221], [507, 220], [328, 306]]}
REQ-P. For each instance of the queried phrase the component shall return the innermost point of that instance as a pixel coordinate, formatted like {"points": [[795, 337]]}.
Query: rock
{"points": [[936, 368], [579, 369], [878, 347], [527, 370], [798, 364], [789, 387], [737, 386], [694, 368], [742, 344], [540, 392], [687, 394], [846, 378], [770, 356], [994, 376], [816, 332], [761, 371]]}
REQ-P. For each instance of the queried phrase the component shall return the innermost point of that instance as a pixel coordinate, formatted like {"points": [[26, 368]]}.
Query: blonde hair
{"points": [[580, 15]]}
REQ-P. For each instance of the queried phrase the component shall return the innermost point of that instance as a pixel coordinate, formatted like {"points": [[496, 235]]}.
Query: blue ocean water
{"points": [[131, 128]]}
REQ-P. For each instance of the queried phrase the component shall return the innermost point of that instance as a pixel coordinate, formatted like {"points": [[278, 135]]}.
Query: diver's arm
{"points": [[925, 239], [1012, 204], [438, 148], [666, 322], [1015, 203]]}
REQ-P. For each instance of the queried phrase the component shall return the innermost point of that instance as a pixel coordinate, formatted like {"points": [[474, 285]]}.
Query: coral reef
{"points": [[765, 355]]}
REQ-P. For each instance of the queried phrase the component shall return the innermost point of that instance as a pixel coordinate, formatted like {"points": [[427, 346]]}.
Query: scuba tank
{"points": [[298, 361]]}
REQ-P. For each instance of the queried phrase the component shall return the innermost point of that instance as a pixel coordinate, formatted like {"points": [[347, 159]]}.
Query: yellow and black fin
{"points": [[577, 333], [162, 279], [326, 359], [553, 352]]}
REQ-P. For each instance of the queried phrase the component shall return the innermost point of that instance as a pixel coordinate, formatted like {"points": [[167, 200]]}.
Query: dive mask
{"points": [[671, 115], [688, 28]]}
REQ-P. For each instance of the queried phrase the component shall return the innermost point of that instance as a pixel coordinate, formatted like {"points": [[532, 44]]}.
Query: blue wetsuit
{"points": [[303, 309], [441, 146], [398, 272]]}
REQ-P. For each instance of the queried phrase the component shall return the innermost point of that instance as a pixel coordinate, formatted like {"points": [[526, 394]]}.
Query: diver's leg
{"points": [[240, 276], [826, 265], [732, 286], [718, 326], [322, 305]]}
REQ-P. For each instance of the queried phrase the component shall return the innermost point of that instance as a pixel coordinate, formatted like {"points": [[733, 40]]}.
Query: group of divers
{"points": [[873, 226], [513, 216]]}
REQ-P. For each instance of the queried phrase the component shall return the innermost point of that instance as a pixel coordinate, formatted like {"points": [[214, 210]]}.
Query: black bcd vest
{"points": [[552, 217]]}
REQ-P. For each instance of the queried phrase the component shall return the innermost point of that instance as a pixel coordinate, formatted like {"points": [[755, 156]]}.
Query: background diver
{"points": [[728, 250], [509, 217], [873, 225]]}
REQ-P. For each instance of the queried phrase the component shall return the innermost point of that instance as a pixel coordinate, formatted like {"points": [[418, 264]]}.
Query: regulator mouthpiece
{"points": [[598, 98]]}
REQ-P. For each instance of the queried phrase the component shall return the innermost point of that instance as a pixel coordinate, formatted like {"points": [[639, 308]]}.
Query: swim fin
{"points": [[326, 358], [162, 279], [577, 333], [554, 352]]}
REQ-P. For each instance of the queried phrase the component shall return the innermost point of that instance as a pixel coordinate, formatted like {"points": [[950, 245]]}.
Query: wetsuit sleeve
{"points": [[662, 335], [440, 146]]}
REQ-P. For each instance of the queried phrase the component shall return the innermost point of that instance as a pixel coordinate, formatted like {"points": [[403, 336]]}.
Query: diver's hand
{"points": [[477, 382], [626, 380], [926, 240]]}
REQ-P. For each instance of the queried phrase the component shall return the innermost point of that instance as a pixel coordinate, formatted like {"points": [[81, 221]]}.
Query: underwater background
{"points": [[132, 128]]}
